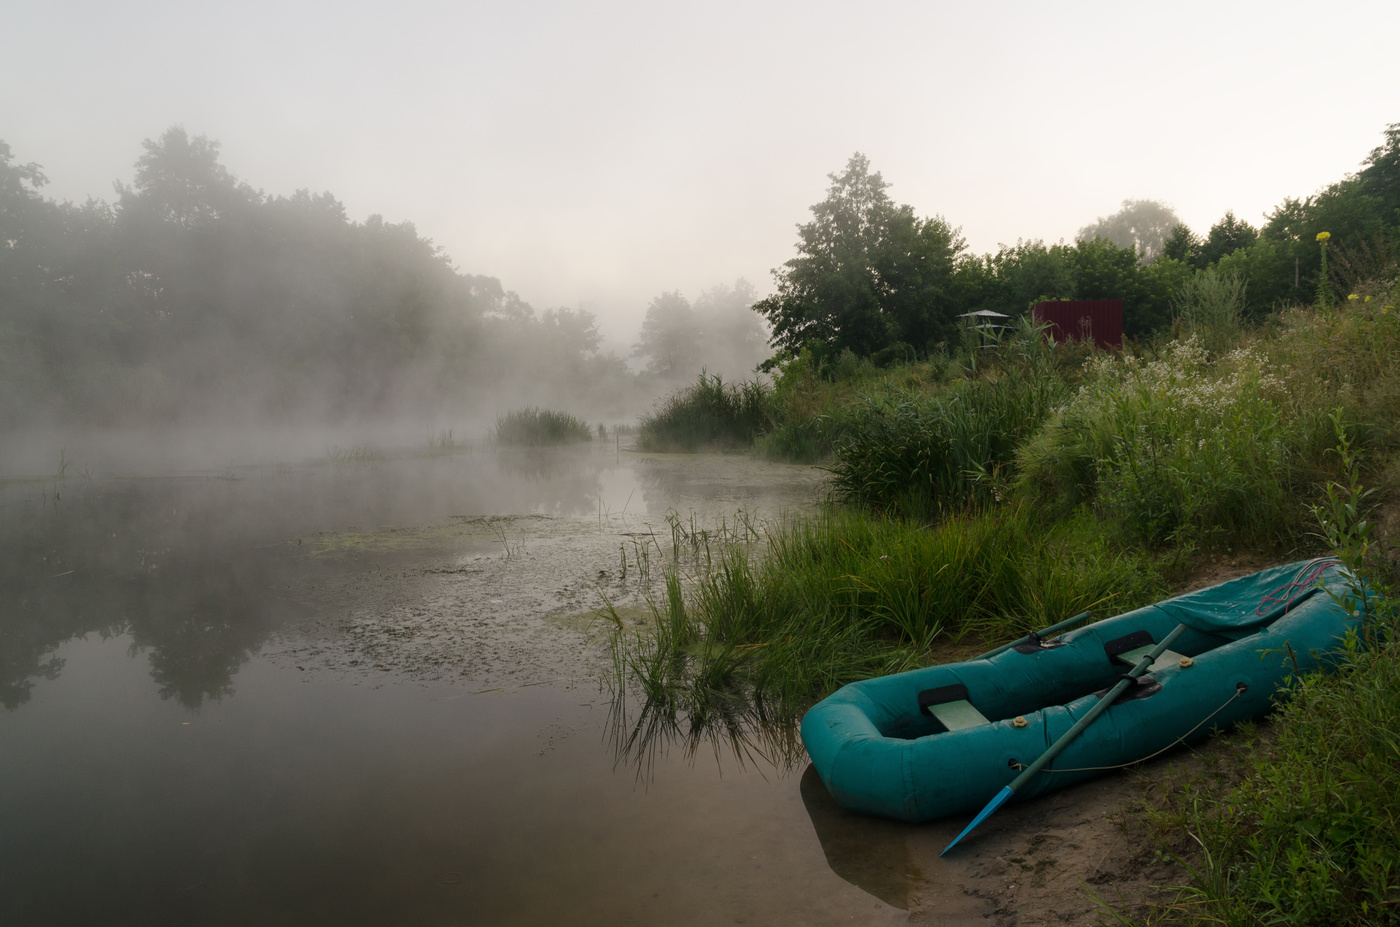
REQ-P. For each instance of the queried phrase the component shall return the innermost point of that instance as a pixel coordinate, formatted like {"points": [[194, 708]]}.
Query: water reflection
{"points": [[200, 570], [726, 725], [870, 853]]}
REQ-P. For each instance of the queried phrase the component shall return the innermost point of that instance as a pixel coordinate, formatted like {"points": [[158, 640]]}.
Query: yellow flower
{"points": [[1368, 299], [1323, 236], [1353, 296]]}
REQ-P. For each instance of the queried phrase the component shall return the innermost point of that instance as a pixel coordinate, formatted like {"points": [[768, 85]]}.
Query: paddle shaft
{"points": [[1038, 634], [1001, 797], [1100, 708]]}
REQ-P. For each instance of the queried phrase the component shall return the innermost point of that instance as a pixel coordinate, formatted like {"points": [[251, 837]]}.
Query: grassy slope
{"points": [[994, 491]]}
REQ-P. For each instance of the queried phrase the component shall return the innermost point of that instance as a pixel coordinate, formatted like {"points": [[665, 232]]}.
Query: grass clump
{"points": [[709, 413], [535, 427], [919, 456], [1175, 447], [848, 594]]}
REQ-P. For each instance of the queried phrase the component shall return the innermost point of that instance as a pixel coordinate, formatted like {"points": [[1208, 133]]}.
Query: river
{"points": [[370, 688]]}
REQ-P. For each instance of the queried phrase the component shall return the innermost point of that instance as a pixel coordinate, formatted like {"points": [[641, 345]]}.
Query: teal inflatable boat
{"points": [[946, 739]]}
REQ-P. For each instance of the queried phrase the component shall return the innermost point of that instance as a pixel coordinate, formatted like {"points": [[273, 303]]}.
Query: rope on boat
{"points": [[1307, 578], [1179, 740]]}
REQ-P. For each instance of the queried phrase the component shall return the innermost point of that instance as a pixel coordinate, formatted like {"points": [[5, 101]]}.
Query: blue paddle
{"points": [[1068, 735]]}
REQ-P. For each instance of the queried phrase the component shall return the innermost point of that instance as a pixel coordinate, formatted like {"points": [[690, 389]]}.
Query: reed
{"points": [[536, 427], [709, 413]]}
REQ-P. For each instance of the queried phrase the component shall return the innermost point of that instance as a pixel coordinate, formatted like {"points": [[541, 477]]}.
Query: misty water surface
{"points": [[367, 690]]}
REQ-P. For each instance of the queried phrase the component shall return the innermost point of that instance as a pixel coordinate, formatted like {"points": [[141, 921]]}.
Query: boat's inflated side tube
{"points": [[880, 752]]}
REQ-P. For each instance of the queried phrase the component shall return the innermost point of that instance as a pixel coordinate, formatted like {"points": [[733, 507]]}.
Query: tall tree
{"points": [[1226, 237], [869, 273], [670, 339], [1143, 225]]}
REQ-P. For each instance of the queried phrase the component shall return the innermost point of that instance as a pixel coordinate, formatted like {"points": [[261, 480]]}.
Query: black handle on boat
{"points": [[1069, 735], [1037, 635]]}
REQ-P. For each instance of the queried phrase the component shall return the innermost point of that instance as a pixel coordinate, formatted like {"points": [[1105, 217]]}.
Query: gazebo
{"points": [[987, 323]]}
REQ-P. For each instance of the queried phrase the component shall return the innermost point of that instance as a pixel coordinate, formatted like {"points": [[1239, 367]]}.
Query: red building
{"points": [[1081, 319]]}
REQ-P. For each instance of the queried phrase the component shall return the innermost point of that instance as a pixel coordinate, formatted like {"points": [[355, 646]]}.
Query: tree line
{"points": [[873, 278], [194, 297]]}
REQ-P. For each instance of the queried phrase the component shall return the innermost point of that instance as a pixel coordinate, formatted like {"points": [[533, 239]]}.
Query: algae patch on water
{"points": [[482, 528]]}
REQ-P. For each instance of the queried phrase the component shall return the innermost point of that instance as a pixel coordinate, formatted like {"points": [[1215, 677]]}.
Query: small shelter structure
{"points": [[987, 323], [1082, 319]]}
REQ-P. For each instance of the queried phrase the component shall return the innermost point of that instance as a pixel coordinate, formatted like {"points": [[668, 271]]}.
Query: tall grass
{"points": [[920, 456], [1211, 305], [1308, 837], [1176, 448], [847, 594], [533, 427], [708, 413]]}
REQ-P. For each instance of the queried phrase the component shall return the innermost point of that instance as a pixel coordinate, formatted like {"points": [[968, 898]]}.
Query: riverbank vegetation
{"points": [[985, 486]]}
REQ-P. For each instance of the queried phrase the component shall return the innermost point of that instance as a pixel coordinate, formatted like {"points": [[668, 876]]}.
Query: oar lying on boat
{"points": [[1026, 774], [1036, 637]]}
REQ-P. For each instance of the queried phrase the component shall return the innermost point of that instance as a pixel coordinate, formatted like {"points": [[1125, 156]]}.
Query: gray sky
{"points": [[596, 154]]}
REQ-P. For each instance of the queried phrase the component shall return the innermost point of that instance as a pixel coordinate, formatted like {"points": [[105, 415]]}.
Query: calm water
{"points": [[368, 692]]}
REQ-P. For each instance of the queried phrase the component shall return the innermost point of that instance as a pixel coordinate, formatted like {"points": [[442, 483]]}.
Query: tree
{"points": [[1226, 237], [1182, 245], [670, 338], [1143, 225], [734, 338], [869, 273], [1380, 178]]}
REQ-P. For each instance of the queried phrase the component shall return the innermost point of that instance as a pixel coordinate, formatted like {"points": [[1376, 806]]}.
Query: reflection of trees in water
{"points": [[565, 480], [111, 563], [199, 633]]}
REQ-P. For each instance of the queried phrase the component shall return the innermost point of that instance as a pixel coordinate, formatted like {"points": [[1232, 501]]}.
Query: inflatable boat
{"points": [[946, 739]]}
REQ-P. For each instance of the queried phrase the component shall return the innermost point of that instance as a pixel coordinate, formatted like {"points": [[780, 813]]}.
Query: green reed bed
{"points": [[535, 427], [919, 456], [846, 595], [708, 413]]}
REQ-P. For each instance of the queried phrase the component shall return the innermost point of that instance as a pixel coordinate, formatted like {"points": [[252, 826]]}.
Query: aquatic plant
{"points": [[708, 413], [534, 427]]}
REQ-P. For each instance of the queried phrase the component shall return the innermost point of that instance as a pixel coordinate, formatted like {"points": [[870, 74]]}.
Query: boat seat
{"points": [[950, 706], [1167, 659], [957, 715]]}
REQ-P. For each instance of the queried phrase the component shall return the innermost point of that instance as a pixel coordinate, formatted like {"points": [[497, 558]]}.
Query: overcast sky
{"points": [[596, 154]]}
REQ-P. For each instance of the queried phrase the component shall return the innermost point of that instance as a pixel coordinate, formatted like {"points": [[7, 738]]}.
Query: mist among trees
{"points": [[193, 297]]}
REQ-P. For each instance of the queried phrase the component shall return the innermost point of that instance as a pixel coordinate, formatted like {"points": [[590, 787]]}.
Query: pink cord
{"points": [[1305, 579]]}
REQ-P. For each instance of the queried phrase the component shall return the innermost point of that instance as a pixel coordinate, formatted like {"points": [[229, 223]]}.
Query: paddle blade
{"points": [[982, 815]]}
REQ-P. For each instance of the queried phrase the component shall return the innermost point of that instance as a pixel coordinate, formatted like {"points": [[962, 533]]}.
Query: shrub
{"points": [[1175, 448]]}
